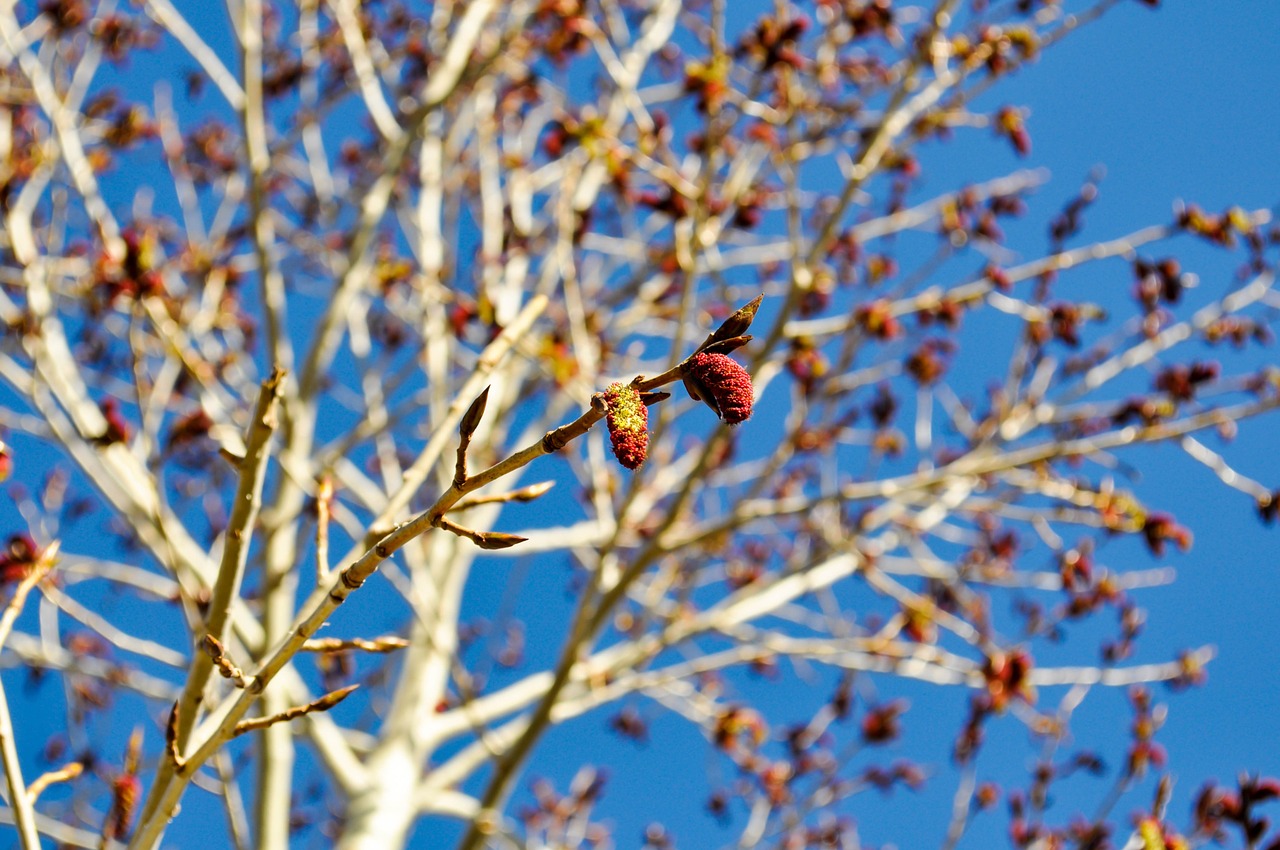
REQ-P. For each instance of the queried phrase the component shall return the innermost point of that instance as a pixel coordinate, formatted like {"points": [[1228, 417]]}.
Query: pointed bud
{"points": [[628, 421], [533, 491], [739, 322], [722, 383], [471, 419], [497, 540]]}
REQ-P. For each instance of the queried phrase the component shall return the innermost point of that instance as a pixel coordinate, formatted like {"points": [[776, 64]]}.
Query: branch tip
{"points": [[324, 703]]}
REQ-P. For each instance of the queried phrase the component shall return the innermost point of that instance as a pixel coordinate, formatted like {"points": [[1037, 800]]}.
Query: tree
{"points": [[294, 355]]}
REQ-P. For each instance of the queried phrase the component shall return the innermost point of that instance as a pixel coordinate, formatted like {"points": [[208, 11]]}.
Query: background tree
{"points": [[323, 320]]}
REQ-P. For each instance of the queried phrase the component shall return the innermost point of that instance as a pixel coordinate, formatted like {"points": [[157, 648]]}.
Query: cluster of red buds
{"points": [[965, 217], [1008, 678], [708, 82], [1238, 330], [210, 151], [126, 791], [1147, 720], [1216, 806], [1070, 221], [1159, 528], [1146, 410], [773, 43], [877, 319], [120, 34], [881, 723], [65, 15], [929, 361], [117, 428], [806, 363], [135, 275], [1155, 833], [1066, 319], [1159, 281], [872, 18], [1011, 124], [1269, 507], [1219, 229], [564, 29], [188, 429], [899, 773], [998, 277], [739, 729], [1181, 381], [996, 47], [18, 558], [1087, 588], [946, 312], [1132, 621]]}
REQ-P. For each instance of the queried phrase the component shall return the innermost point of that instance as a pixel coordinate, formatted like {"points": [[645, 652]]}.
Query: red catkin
{"points": [[724, 384], [628, 421]]}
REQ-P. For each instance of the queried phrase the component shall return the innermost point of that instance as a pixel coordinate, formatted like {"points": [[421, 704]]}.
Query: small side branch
{"points": [[387, 643], [66, 773], [483, 539], [324, 703], [43, 563], [324, 498], [20, 800], [524, 494], [235, 553], [466, 428], [226, 667]]}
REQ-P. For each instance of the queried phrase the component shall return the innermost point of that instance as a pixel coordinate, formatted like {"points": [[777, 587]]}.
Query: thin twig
{"points": [[324, 496], [387, 643], [324, 703], [19, 799], [66, 773]]}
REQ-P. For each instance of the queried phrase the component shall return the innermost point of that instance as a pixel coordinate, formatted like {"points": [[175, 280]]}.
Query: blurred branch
{"points": [[20, 802]]}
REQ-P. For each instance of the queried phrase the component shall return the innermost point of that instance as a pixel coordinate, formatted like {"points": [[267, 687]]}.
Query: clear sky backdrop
{"points": [[1179, 103]]}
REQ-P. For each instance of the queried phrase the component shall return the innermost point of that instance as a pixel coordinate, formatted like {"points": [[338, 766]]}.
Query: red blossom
{"points": [[117, 428], [722, 383], [628, 421], [1161, 527], [124, 799], [881, 723], [18, 558]]}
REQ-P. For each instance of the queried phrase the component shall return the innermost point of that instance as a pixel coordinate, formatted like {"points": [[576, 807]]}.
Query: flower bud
{"points": [[628, 421], [722, 383]]}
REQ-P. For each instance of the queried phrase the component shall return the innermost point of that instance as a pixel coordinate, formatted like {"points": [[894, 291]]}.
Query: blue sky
{"points": [[1180, 103]]}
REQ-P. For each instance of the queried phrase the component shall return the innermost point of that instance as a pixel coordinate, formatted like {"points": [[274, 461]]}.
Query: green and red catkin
{"points": [[628, 421]]}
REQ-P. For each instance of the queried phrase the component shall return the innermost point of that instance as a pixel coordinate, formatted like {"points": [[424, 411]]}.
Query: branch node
{"points": [[171, 739]]}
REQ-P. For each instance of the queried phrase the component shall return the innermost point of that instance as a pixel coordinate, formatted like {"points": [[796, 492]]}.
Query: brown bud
{"points": [[471, 419]]}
